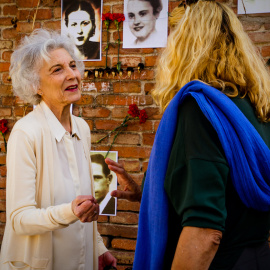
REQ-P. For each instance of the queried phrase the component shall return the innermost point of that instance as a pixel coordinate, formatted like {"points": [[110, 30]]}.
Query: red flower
{"points": [[133, 110], [118, 17], [143, 116], [3, 127], [106, 17]]}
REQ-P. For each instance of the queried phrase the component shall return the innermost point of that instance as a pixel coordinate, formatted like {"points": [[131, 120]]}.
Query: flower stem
{"points": [[115, 136]]}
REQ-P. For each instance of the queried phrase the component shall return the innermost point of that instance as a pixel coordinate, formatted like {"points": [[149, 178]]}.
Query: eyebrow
{"points": [[57, 65]]}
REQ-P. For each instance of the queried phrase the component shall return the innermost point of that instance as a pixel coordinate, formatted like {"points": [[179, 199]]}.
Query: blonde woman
{"points": [[206, 197]]}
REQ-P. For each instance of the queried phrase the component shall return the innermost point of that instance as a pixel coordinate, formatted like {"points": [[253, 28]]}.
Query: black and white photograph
{"points": [[253, 6], [146, 23], [81, 20], [105, 181]]}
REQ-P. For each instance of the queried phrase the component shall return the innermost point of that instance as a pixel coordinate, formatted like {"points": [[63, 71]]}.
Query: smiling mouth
{"points": [[80, 38], [138, 28], [72, 88]]}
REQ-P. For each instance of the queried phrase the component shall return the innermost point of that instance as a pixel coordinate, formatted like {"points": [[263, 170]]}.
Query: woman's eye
{"points": [[74, 24], [143, 13], [56, 70], [131, 16], [73, 66], [85, 23]]}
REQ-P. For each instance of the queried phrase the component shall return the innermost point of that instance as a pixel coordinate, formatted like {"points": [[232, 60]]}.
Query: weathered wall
{"points": [[105, 106]]}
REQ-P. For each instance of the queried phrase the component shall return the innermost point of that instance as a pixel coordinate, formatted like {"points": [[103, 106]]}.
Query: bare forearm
{"points": [[196, 248]]}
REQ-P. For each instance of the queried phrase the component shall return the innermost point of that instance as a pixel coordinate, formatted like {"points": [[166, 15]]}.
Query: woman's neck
{"points": [[62, 114]]}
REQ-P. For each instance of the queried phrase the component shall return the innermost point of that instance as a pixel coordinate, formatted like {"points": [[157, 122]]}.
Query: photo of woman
{"points": [[81, 21], [146, 24]]}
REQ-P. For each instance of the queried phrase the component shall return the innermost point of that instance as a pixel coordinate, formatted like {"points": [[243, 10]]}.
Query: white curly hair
{"points": [[27, 60]]}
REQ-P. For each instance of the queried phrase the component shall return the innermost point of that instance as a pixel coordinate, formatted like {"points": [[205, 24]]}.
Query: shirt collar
{"points": [[56, 127]]}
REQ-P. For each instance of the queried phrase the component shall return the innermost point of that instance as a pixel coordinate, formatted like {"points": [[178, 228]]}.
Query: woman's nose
{"points": [[70, 74], [136, 20]]}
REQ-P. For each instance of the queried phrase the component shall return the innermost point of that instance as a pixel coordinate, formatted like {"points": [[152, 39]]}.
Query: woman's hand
{"points": [[106, 259], [86, 208], [132, 191]]}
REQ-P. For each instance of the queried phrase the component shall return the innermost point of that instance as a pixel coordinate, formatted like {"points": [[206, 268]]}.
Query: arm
{"points": [[27, 218], [196, 248], [132, 190]]}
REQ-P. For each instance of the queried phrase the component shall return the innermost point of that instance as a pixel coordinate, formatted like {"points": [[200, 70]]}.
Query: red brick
{"points": [[6, 1], [5, 21], [129, 151], [5, 112], [2, 194], [85, 99], [95, 112], [22, 111], [118, 230], [144, 75], [251, 26], [90, 124], [57, 12], [25, 27], [260, 37], [5, 90], [114, 50], [3, 171], [95, 137], [156, 125], [9, 33], [107, 124], [130, 165], [265, 51], [106, 9], [267, 26], [148, 139], [127, 139], [150, 61], [124, 100], [118, 8], [10, 10], [42, 14], [7, 101], [123, 257], [6, 78], [2, 205], [127, 87], [172, 6], [144, 166], [148, 87], [4, 66], [3, 217], [153, 113], [2, 182], [126, 244], [54, 25], [96, 63], [5, 44], [136, 126], [6, 55], [124, 218], [127, 61], [103, 219], [27, 3], [119, 112], [106, 241]]}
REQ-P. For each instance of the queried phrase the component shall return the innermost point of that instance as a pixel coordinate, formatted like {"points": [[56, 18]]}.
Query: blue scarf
{"points": [[246, 153]]}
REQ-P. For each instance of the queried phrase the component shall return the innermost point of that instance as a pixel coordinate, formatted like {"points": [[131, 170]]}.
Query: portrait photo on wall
{"points": [[81, 20], [253, 6], [105, 182], [146, 23]]}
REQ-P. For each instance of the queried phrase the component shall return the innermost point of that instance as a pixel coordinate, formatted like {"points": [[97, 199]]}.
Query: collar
{"points": [[56, 127], [104, 202]]}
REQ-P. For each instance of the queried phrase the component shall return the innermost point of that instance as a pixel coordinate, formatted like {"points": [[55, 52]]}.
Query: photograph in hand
{"points": [[105, 181]]}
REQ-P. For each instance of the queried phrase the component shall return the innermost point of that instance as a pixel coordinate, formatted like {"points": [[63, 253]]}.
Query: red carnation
{"points": [[106, 16], [143, 116], [133, 110], [3, 127]]}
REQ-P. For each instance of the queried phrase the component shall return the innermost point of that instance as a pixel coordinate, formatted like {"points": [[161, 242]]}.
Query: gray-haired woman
{"points": [[50, 207]]}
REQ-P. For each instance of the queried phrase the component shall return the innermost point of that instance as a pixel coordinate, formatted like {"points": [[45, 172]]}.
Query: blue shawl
{"points": [[246, 153]]}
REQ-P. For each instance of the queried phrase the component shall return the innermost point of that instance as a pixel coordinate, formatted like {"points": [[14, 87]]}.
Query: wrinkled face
{"points": [[102, 183], [79, 26], [141, 18], [60, 80]]}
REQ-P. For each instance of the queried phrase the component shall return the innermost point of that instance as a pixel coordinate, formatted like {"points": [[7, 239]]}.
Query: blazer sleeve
{"points": [[22, 209]]}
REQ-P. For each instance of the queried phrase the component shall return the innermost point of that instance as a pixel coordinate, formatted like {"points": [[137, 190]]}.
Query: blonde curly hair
{"points": [[208, 43]]}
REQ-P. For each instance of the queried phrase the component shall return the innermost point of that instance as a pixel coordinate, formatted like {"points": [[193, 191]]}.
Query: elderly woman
{"points": [[206, 197], [51, 212]]}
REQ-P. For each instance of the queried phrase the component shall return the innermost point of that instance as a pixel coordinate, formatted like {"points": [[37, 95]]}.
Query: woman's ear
{"points": [[39, 92]]}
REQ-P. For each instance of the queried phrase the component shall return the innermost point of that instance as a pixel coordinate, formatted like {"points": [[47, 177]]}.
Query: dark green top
{"points": [[200, 190]]}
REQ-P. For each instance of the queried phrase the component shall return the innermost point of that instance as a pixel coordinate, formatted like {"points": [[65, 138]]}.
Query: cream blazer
{"points": [[35, 177]]}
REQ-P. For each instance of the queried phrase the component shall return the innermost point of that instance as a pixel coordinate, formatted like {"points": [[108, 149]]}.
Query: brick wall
{"points": [[104, 103]]}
